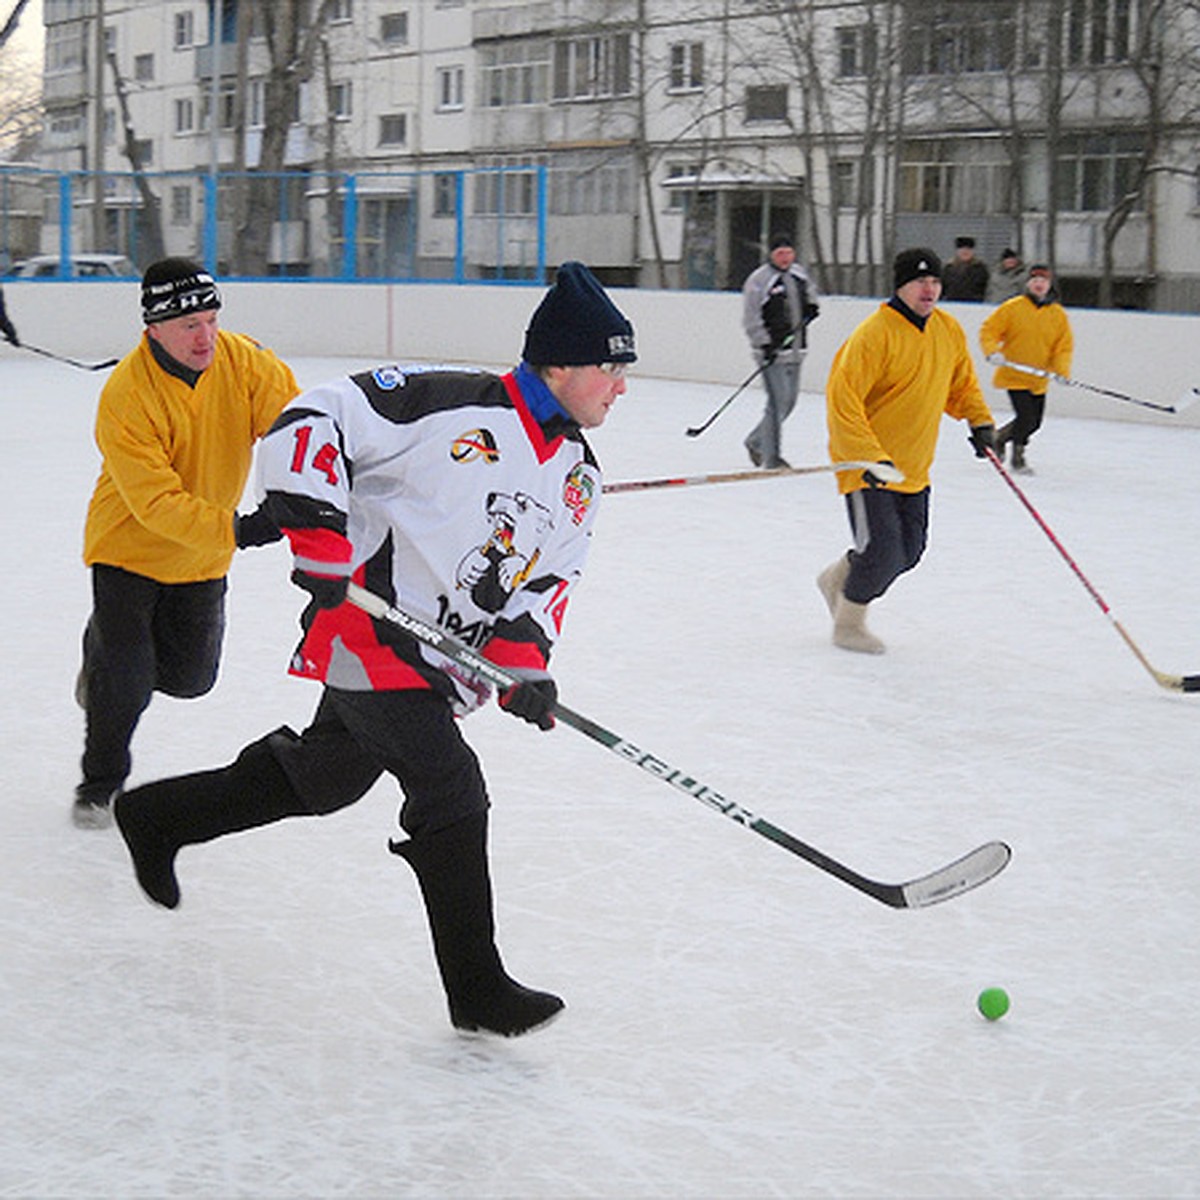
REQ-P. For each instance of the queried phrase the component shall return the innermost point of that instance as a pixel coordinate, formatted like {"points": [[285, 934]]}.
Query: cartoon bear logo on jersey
{"points": [[505, 561]]}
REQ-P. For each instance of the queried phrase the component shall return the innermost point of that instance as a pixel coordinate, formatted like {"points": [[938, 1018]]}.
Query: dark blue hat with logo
{"points": [[577, 325]]}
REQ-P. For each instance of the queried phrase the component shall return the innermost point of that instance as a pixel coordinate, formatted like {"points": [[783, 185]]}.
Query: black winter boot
{"points": [[452, 869], [1003, 437], [1019, 465], [158, 819]]}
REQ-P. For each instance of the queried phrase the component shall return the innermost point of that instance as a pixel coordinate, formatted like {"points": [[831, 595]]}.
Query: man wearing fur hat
{"points": [[890, 383], [965, 276], [176, 427], [469, 499]]}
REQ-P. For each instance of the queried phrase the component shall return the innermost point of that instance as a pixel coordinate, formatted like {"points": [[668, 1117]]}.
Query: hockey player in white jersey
{"points": [[468, 499]]}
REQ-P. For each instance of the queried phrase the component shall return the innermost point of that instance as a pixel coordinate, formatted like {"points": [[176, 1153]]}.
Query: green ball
{"points": [[993, 1003]]}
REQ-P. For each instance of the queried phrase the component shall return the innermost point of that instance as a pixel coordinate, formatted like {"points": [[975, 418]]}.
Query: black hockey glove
{"points": [[872, 480], [10, 336], [327, 591], [768, 355], [532, 700], [255, 529], [983, 438]]}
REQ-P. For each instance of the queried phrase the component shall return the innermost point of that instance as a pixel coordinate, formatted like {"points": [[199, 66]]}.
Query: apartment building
{"points": [[663, 141]]}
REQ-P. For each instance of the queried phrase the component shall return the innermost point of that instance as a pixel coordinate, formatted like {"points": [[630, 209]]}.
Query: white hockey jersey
{"points": [[439, 491]]}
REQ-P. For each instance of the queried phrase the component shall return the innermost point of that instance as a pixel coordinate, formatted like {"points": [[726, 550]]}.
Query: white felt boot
{"points": [[850, 630], [831, 580]]}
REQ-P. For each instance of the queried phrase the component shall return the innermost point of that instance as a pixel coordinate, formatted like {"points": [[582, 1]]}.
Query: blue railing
{"points": [[482, 224]]}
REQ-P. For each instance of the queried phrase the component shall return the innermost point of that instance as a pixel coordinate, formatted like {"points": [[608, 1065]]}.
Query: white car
{"points": [[83, 266]]}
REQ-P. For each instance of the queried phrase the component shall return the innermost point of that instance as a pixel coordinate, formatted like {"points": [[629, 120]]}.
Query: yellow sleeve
{"points": [[1063, 348], [992, 331]]}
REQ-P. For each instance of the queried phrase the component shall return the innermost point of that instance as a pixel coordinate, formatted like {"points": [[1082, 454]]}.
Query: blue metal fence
{"points": [[466, 225]]}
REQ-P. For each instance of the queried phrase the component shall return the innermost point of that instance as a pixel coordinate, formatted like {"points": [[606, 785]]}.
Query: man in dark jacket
{"points": [[965, 277]]}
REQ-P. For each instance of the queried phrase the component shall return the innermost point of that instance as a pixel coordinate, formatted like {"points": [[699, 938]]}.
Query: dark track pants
{"points": [[354, 737], [142, 637], [890, 531]]}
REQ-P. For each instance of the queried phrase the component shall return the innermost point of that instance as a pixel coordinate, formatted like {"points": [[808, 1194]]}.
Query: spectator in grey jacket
{"points": [[778, 302], [1008, 280]]}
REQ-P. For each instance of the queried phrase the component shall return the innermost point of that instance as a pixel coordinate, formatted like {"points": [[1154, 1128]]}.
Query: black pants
{"points": [[890, 531], [1028, 409], [142, 637], [413, 735]]}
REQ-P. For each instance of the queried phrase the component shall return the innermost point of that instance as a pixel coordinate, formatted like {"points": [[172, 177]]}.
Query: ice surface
{"points": [[738, 1023]]}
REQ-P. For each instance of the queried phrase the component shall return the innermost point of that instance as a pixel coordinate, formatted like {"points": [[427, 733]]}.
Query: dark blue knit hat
{"points": [[577, 325]]}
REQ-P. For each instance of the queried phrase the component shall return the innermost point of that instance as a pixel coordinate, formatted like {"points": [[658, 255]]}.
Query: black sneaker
{"points": [[506, 1010], [93, 806]]}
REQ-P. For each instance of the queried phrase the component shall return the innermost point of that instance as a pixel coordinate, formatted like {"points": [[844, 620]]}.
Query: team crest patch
{"points": [[478, 443], [579, 490]]}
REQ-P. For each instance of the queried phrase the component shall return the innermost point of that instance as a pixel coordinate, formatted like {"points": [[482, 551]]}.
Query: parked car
{"points": [[83, 266]]}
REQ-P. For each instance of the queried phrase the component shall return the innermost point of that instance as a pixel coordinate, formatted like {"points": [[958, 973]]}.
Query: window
{"points": [[225, 106], [936, 179], [393, 129], [687, 66], [514, 73], [445, 194], [185, 116], [1098, 31], [393, 29], [1095, 172], [677, 196], [591, 68], [951, 39], [591, 184], [507, 186], [341, 10], [857, 46], [181, 205], [449, 89], [767, 103], [143, 67], [143, 154], [341, 99], [64, 48], [185, 30]]}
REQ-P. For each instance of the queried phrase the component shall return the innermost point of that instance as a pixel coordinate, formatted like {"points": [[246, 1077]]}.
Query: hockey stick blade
{"points": [[1173, 683], [945, 883], [885, 471], [1189, 397], [71, 362]]}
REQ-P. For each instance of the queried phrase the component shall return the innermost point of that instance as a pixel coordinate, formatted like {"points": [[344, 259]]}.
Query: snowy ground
{"points": [[738, 1024]]}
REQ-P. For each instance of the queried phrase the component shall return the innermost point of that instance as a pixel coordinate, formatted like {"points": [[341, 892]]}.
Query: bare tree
{"points": [[1165, 62], [20, 88], [291, 40], [14, 19], [149, 230]]}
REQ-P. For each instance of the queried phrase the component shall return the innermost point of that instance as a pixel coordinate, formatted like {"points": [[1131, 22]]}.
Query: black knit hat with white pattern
{"points": [[174, 286]]}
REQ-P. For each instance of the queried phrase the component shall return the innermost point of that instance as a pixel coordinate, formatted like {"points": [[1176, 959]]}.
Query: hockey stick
{"points": [[884, 471], [697, 430], [72, 362], [965, 873], [1173, 683], [1189, 397]]}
